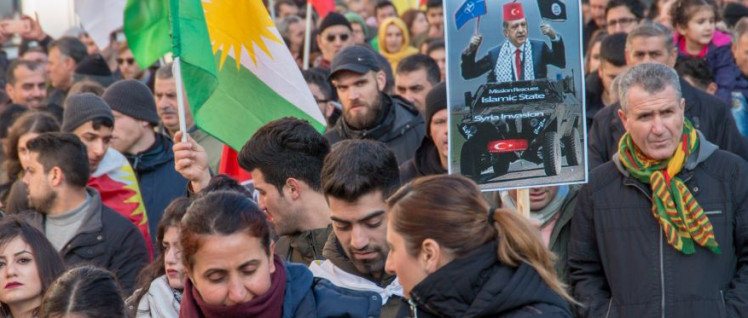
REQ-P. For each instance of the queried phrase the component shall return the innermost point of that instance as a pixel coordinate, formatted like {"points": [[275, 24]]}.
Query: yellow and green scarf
{"points": [[674, 207]]}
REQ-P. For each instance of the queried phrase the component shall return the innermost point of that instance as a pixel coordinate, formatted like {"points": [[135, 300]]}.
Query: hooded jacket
{"points": [[405, 49], [159, 182], [340, 271], [425, 163], [478, 285], [621, 264], [106, 239], [399, 125], [708, 114]]}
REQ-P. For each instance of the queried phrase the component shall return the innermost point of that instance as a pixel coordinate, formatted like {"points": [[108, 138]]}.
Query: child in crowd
{"points": [[696, 35]]}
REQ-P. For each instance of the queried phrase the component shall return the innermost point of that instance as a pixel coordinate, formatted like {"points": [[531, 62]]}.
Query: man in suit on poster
{"points": [[518, 58]]}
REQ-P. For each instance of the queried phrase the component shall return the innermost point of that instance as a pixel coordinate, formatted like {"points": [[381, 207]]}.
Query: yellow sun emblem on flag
{"points": [[237, 24]]}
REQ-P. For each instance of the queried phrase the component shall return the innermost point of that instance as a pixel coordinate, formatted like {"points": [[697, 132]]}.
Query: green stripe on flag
{"points": [[146, 27], [241, 105]]}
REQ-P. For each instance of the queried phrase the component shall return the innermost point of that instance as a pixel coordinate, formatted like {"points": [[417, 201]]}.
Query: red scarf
{"points": [[269, 305]]}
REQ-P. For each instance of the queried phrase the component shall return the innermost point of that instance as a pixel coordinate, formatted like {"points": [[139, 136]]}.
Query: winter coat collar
{"points": [[478, 285], [158, 154], [333, 251]]}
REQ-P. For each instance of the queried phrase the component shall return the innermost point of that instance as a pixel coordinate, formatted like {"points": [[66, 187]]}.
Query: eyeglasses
{"points": [[321, 101], [343, 37], [623, 22], [129, 60]]}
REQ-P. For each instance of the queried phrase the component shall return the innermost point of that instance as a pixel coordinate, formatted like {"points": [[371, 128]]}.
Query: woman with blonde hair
{"points": [[468, 260], [394, 41]]}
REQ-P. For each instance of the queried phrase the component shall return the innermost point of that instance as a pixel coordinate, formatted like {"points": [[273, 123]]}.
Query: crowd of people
{"points": [[107, 212]]}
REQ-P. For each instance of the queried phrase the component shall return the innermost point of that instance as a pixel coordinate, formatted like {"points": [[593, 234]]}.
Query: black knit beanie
{"points": [[436, 100], [95, 68], [81, 108], [334, 18], [132, 98]]}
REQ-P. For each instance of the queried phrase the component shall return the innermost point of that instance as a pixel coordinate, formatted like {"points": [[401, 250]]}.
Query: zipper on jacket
{"points": [[722, 297], [610, 304], [662, 273], [413, 308]]}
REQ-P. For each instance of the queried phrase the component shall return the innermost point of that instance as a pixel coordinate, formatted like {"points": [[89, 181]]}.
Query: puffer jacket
{"points": [[159, 182], [621, 264], [478, 285], [400, 126], [707, 114]]}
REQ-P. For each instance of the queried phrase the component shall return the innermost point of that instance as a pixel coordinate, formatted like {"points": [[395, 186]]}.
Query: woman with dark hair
{"points": [[84, 292], [28, 265], [161, 283], [417, 24], [233, 272], [468, 260], [25, 128]]}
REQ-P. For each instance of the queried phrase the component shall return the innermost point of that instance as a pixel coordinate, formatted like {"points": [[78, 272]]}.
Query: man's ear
{"points": [[292, 188], [622, 116], [55, 176], [381, 80], [430, 256]]}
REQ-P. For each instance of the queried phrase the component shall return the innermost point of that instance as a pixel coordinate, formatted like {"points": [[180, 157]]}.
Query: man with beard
{"points": [[90, 118], [165, 94], [72, 216], [285, 158], [26, 86], [357, 177], [368, 113]]}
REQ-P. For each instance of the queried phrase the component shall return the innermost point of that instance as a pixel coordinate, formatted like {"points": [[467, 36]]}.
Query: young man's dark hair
{"points": [[384, 4], [635, 6], [318, 77], [70, 47], [430, 4], [420, 62], [357, 167], [695, 70], [65, 151], [613, 49], [10, 76], [286, 148], [434, 44]]}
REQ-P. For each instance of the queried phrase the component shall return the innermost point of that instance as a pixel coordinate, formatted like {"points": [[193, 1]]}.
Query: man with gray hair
{"points": [[165, 94], [740, 54], [662, 229], [650, 42]]}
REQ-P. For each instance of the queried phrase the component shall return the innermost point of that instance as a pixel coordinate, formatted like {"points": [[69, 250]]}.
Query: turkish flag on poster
{"points": [[323, 7]]}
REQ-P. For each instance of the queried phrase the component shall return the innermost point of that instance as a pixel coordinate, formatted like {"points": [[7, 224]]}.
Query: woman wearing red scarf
{"points": [[228, 254]]}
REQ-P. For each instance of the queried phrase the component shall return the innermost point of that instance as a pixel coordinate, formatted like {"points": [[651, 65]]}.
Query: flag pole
{"points": [[307, 34], [271, 6], [177, 70]]}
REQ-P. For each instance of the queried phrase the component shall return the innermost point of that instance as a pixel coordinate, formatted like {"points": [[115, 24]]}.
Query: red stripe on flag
{"points": [[323, 7], [230, 166]]}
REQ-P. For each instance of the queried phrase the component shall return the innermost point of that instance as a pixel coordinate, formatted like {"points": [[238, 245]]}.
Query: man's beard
{"points": [[43, 204], [366, 120], [368, 266]]}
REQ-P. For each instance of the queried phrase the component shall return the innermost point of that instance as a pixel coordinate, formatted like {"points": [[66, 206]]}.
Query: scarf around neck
{"points": [[682, 219], [505, 71], [546, 214], [268, 305]]}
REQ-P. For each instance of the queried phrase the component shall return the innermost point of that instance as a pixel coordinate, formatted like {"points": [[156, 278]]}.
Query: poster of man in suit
{"points": [[515, 91]]}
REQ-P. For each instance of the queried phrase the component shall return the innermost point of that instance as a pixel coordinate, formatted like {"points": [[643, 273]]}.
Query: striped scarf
{"points": [[682, 219]]}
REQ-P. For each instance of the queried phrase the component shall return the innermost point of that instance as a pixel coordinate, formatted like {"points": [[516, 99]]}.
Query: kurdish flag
{"points": [[236, 69]]}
